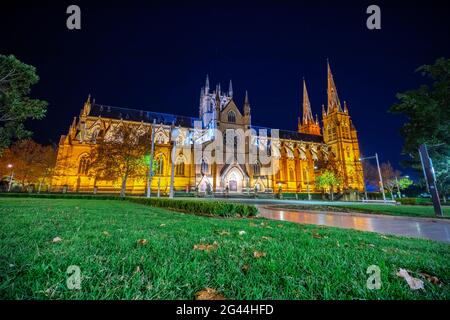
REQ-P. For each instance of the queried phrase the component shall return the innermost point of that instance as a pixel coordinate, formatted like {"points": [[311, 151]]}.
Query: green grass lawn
{"points": [[101, 237], [395, 210]]}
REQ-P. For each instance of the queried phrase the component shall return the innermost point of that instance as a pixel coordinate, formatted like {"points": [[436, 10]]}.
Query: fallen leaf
{"points": [[251, 224], [209, 294], [224, 233], [206, 247], [138, 269], [266, 238], [384, 237], [371, 245], [430, 278], [142, 242], [337, 243], [162, 225], [242, 232], [106, 233], [259, 254], [56, 239], [318, 236], [245, 268], [413, 283]]}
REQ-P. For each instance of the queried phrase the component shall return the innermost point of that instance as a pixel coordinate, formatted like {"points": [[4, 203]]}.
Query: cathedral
{"points": [[221, 150]]}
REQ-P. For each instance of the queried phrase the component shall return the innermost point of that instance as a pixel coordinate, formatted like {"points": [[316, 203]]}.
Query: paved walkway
{"points": [[433, 229]]}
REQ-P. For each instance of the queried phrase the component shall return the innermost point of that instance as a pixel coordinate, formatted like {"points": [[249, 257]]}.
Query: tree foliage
{"points": [[427, 110], [121, 154], [31, 162], [16, 79], [327, 181]]}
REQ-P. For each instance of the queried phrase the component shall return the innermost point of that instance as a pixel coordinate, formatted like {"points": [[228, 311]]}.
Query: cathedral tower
{"points": [[307, 124], [341, 135]]}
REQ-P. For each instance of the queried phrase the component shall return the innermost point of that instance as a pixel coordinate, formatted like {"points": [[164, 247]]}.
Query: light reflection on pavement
{"points": [[433, 229]]}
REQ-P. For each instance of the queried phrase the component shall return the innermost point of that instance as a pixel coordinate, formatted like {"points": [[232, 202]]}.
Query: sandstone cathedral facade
{"points": [[201, 166]]}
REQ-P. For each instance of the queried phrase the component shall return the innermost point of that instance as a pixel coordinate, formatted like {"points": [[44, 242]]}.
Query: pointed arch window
{"points": [[257, 168], [179, 166], [204, 167], [231, 117], [291, 174], [84, 164], [158, 165]]}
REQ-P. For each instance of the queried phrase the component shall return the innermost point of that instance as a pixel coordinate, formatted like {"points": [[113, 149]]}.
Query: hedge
{"points": [[216, 208], [414, 201]]}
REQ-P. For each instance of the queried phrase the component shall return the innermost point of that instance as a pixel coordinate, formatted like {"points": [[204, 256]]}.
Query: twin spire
{"points": [[230, 87], [334, 103]]}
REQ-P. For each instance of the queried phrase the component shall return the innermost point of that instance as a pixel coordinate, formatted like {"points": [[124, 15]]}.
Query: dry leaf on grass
{"points": [[413, 283], [318, 236], [430, 278], [142, 242], [251, 224], [384, 237], [259, 254], [242, 232], [266, 238], [209, 294], [106, 233], [162, 225], [280, 226], [206, 247], [224, 233], [56, 239], [245, 268]]}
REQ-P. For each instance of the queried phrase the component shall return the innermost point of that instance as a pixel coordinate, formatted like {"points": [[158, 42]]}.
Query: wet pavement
{"points": [[433, 229]]}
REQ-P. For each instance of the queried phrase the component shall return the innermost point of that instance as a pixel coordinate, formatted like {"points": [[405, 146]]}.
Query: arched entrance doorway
{"points": [[234, 180]]}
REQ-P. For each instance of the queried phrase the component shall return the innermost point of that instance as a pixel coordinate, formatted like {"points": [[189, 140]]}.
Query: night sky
{"points": [[155, 56]]}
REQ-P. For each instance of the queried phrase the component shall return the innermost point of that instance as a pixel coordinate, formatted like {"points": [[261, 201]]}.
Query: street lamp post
{"points": [[11, 176], [379, 173]]}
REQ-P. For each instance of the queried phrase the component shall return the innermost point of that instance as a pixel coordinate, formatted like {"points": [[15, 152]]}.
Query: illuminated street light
{"points": [[10, 166]]}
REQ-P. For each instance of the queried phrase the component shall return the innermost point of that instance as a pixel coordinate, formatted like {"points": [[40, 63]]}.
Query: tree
{"points": [[404, 183], [428, 113], [390, 177], [31, 162], [16, 79], [121, 154], [327, 181]]}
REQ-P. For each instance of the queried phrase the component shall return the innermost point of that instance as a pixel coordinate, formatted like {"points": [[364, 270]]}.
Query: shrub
{"points": [[216, 208], [415, 201]]}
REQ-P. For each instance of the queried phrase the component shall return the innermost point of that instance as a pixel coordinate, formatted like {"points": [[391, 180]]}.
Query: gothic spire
{"points": [[333, 99], [246, 98], [207, 85], [230, 90], [307, 114]]}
